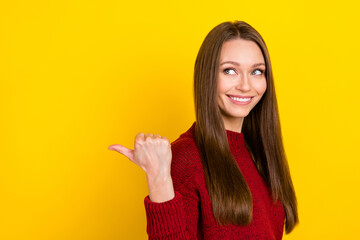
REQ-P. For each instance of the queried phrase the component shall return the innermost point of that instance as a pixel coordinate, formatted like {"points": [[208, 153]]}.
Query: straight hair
{"points": [[229, 193]]}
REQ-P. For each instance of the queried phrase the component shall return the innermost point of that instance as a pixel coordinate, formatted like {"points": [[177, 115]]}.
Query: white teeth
{"points": [[240, 99]]}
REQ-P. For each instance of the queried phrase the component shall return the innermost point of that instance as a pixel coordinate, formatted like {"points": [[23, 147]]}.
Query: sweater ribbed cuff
{"points": [[164, 218]]}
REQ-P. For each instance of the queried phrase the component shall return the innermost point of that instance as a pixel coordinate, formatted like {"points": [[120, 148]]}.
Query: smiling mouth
{"points": [[240, 99]]}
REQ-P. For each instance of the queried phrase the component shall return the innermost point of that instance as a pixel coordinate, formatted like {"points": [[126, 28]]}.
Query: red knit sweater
{"points": [[189, 214]]}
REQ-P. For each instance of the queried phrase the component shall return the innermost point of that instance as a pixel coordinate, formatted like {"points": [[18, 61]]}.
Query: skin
{"points": [[153, 154], [241, 73], [240, 77]]}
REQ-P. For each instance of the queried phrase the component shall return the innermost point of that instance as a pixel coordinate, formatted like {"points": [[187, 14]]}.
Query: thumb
{"points": [[129, 153]]}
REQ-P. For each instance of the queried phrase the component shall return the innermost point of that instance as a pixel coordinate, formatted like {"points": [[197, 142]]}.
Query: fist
{"points": [[151, 152]]}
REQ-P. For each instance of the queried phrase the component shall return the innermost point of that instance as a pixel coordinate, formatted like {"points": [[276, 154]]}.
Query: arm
{"points": [[175, 220], [178, 217], [171, 207], [153, 154]]}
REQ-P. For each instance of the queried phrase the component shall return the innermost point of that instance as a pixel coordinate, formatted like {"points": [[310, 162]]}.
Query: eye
{"points": [[258, 72], [229, 71]]}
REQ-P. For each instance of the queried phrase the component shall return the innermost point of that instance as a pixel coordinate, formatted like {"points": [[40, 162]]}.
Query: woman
{"points": [[227, 177]]}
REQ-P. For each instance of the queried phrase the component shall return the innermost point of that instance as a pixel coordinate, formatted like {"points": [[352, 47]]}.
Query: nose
{"points": [[243, 83]]}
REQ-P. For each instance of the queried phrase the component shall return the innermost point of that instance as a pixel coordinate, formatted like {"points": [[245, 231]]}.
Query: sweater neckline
{"points": [[235, 135], [235, 139], [230, 132]]}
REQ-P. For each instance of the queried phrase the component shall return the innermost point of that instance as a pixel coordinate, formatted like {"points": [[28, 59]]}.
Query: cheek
{"points": [[260, 87], [222, 86]]}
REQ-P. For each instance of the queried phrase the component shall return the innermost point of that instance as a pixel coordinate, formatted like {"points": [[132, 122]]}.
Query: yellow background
{"points": [[78, 76]]}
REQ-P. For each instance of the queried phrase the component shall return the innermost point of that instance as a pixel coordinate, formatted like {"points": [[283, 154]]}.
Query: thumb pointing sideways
{"points": [[129, 153]]}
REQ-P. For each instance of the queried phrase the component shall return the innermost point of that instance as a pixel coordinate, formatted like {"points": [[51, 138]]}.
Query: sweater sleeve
{"points": [[176, 219]]}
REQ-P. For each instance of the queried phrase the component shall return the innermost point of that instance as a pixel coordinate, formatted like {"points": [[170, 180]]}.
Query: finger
{"points": [[157, 136], [148, 136], [129, 153], [139, 137], [139, 140], [166, 141], [165, 138]]}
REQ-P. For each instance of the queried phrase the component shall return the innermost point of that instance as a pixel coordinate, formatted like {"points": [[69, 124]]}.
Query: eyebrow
{"points": [[238, 64]]}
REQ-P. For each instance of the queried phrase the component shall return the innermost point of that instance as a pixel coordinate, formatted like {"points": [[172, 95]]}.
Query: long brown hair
{"points": [[229, 193]]}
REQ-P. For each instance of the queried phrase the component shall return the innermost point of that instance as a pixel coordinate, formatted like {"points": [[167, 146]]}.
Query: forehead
{"points": [[241, 51]]}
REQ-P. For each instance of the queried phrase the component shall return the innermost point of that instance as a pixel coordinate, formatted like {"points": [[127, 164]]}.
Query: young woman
{"points": [[226, 177]]}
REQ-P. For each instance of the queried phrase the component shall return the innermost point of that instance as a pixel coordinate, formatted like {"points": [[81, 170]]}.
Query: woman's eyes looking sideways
{"points": [[231, 71]]}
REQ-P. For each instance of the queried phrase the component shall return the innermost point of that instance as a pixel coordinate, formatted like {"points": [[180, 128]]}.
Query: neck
{"points": [[233, 124]]}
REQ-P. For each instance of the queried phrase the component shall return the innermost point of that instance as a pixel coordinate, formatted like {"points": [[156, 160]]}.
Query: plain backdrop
{"points": [[77, 76]]}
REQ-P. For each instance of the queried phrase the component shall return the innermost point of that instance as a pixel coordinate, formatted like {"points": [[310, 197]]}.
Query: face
{"points": [[241, 81]]}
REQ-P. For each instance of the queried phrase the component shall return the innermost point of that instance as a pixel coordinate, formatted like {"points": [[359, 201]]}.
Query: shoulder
{"points": [[184, 148], [184, 145], [185, 154]]}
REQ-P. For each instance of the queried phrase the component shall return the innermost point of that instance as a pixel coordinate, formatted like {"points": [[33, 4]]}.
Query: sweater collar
{"points": [[236, 139]]}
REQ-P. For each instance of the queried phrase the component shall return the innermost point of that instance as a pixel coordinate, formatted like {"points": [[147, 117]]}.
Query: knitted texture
{"points": [[189, 214]]}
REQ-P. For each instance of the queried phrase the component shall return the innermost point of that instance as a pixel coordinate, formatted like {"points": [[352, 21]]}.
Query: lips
{"points": [[239, 99]]}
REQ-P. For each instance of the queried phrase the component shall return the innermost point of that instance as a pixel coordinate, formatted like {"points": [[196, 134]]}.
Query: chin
{"points": [[236, 115], [239, 114]]}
